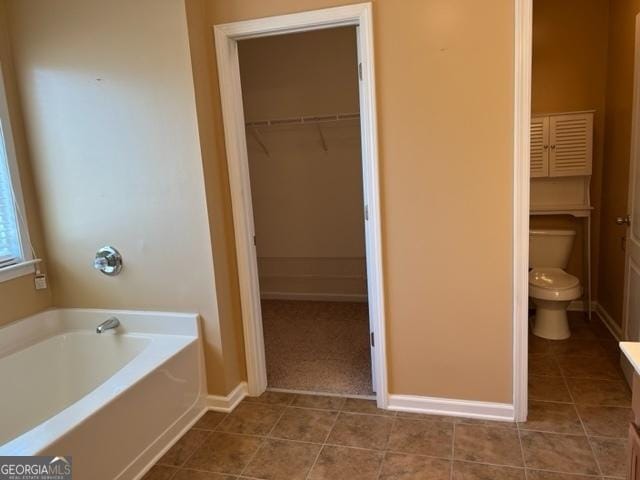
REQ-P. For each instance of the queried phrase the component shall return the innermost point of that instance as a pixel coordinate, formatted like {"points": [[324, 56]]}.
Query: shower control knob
{"points": [[108, 260]]}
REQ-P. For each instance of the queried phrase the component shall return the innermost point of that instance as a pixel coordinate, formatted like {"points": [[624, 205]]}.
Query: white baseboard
{"points": [[317, 297], [456, 408], [608, 321], [227, 403], [614, 328]]}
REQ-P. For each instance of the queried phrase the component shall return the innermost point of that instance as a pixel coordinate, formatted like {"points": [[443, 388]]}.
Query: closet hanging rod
{"points": [[303, 120]]}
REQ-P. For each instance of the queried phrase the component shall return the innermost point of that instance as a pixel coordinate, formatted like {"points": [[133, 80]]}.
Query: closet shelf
{"points": [[314, 119]]}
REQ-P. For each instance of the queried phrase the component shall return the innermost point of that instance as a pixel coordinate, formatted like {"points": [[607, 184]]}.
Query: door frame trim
{"points": [[523, 56], [226, 45], [634, 152]]}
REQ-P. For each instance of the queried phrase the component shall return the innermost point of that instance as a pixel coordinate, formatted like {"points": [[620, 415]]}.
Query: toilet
{"points": [[550, 287]]}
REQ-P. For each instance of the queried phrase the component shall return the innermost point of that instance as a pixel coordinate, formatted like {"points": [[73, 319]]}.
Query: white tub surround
{"points": [[70, 391]]}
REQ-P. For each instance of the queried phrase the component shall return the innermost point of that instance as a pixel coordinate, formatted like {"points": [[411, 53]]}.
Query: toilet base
{"points": [[551, 320]]}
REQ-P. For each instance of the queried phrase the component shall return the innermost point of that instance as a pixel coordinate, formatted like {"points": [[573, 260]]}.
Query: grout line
{"points": [[522, 456], [209, 433], [394, 420], [324, 443], [584, 429], [265, 439], [453, 451]]}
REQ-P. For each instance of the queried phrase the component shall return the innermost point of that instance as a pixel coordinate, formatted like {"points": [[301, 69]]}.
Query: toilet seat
{"points": [[553, 284]]}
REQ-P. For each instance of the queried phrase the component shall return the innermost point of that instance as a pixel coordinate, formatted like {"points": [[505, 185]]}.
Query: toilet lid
{"points": [[552, 278]]}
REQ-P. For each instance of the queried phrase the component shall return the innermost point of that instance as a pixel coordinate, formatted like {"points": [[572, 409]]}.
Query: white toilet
{"points": [[550, 287]]}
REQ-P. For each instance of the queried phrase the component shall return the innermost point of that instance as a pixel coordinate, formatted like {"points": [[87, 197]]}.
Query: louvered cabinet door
{"points": [[571, 145], [539, 147]]}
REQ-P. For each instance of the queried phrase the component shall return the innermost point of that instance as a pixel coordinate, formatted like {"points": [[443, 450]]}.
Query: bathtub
{"points": [[113, 401]]}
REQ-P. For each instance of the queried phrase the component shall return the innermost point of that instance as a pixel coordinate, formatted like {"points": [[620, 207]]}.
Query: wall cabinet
{"points": [[562, 145]]}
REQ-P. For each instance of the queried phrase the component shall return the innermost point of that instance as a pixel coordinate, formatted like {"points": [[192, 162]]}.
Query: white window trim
{"points": [[27, 266]]}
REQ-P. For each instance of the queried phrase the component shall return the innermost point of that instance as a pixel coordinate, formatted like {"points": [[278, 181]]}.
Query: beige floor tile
{"points": [[346, 463], [581, 328], [319, 401], [398, 466], [184, 448], [225, 453], [553, 389], [487, 423], [272, 398], [210, 420], [544, 364], [186, 474], [552, 417], [363, 431], [477, 471], [421, 437], [359, 405], [605, 421], [282, 460], [579, 366], [479, 443], [559, 453], [611, 454], [251, 419], [588, 347], [600, 392], [542, 475], [539, 345], [160, 472], [305, 425], [428, 417]]}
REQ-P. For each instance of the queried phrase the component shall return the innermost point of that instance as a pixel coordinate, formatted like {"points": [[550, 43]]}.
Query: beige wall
{"points": [[445, 112], [18, 297], [307, 202], [617, 153], [109, 105], [570, 74]]}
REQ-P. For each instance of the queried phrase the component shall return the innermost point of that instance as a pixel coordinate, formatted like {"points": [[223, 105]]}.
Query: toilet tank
{"points": [[550, 248]]}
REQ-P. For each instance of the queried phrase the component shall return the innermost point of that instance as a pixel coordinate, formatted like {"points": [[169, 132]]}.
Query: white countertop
{"points": [[631, 350]]}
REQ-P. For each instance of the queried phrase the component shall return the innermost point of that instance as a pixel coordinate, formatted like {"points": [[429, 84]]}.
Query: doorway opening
{"points": [[575, 239], [301, 108], [303, 167]]}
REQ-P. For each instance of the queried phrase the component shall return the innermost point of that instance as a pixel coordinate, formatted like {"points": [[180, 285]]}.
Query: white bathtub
{"points": [[112, 401]]}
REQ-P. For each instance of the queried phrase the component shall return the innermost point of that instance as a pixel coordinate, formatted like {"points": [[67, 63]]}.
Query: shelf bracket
{"points": [[259, 139]]}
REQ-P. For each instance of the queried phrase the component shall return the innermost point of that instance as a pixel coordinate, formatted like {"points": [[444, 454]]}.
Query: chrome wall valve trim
{"points": [[108, 260]]}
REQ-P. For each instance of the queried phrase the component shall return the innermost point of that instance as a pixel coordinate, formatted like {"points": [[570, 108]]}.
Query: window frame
{"points": [[26, 265]]}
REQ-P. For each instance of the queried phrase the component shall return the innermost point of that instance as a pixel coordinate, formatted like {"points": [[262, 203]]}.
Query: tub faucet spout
{"points": [[109, 324]]}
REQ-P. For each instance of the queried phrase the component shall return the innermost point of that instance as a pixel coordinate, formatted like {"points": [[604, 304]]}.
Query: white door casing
{"points": [[226, 43], [631, 305]]}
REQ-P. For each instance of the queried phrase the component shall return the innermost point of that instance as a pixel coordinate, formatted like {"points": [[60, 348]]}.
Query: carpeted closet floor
{"points": [[317, 346]]}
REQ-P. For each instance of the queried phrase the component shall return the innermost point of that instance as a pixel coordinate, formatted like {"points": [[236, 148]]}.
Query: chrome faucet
{"points": [[109, 324]]}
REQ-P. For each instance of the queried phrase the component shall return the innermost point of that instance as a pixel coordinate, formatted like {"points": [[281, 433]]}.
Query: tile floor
{"points": [[578, 414]]}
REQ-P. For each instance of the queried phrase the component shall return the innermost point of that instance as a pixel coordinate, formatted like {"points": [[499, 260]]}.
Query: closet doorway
{"points": [[298, 107]]}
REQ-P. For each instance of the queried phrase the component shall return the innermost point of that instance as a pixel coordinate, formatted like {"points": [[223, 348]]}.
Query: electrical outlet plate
{"points": [[41, 282]]}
